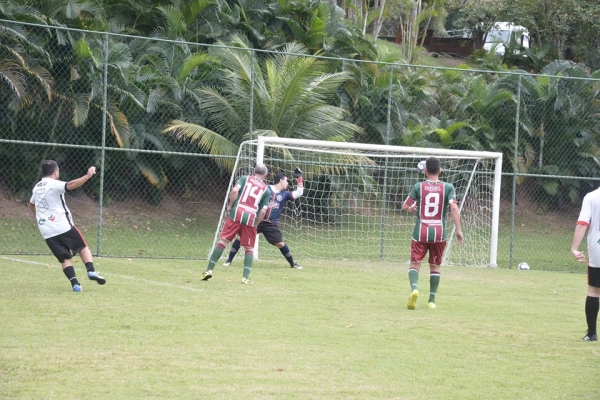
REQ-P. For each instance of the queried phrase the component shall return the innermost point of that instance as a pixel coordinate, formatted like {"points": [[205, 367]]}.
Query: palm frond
{"points": [[209, 141]]}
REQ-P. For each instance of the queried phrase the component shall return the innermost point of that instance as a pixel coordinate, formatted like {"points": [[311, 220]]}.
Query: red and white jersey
{"points": [[253, 196], [433, 198], [51, 211], [590, 216]]}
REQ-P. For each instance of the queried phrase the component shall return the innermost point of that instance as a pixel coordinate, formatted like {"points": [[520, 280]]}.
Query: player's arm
{"points": [[75, 183], [456, 218], [299, 183], [409, 205], [261, 215], [32, 207], [233, 196], [580, 230], [263, 205]]}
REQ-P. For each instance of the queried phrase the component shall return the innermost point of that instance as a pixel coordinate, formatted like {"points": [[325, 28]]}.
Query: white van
{"points": [[499, 36]]}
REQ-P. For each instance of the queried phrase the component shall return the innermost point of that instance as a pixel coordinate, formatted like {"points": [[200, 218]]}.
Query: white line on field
{"points": [[111, 274], [27, 262]]}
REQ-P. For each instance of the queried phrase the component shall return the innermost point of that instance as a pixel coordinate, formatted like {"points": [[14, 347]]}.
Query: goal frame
{"points": [[263, 141]]}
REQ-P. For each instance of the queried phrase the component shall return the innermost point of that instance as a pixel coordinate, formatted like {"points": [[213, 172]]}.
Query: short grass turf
{"points": [[332, 330]]}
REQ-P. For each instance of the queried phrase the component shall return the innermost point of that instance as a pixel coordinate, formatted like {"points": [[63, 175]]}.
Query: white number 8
{"points": [[432, 204]]}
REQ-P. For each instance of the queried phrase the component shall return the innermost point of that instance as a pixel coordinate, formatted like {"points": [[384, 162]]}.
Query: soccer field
{"points": [[332, 330]]}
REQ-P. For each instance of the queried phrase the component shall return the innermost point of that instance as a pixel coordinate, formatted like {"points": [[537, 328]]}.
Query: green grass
{"points": [[426, 59], [543, 246], [333, 330]]}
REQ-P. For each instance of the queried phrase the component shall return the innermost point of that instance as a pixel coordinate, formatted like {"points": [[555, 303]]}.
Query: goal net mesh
{"points": [[351, 206]]}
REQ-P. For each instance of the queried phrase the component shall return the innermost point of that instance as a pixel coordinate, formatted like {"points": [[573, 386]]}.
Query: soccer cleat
{"points": [[412, 299], [77, 288], [246, 281], [296, 266], [227, 263], [431, 305], [207, 275], [93, 275], [590, 338]]}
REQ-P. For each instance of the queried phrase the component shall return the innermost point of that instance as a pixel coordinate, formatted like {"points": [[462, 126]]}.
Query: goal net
{"points": [[351, 206]]}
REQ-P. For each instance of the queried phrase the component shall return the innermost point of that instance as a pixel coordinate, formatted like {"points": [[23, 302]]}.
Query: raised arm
{"points": [[75, 183], [299, 183]]}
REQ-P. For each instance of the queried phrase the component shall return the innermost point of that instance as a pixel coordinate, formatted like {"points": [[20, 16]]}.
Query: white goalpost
{"points": [[351, 206]]}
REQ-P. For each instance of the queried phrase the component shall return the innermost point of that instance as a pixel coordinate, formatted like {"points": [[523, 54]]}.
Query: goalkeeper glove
{"points": [[297, 173]]}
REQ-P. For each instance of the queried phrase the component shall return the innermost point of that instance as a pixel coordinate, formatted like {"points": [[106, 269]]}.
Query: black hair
{"points": [[433, 165], [48, 167], [277, 178]]}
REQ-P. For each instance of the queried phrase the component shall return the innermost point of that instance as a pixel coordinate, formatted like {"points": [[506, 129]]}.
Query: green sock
{"points": [[413, 277], [434, 282], [248, 258], [214, 257]]}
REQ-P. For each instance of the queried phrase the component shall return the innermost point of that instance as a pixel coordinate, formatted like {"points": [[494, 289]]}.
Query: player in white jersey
{"points": [[430, 201], [589, 218], [55, 222]]}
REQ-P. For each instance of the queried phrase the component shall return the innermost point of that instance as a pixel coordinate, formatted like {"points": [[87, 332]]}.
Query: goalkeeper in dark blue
{"points": [[269, 226]]}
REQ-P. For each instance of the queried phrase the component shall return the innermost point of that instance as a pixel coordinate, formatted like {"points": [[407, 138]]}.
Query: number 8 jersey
{"points": [[433, 199]]}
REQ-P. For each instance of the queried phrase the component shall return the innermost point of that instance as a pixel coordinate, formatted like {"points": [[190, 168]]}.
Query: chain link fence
{"points": [[162, 120]]}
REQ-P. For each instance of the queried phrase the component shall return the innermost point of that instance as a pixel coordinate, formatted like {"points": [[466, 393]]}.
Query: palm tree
{"points": [[367, 94], [489, 112], [323, 29], [560, 125], [27, 88], [23, 68], [292, 97]]}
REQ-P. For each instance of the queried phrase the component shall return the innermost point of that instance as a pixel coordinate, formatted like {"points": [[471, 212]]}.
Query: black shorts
{"points": [[66, 245], [271, 232], [594, 277]]}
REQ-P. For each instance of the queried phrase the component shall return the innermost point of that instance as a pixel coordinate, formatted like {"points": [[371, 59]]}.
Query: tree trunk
{"points": [[416, 11], [426, 29], [379, 21]]}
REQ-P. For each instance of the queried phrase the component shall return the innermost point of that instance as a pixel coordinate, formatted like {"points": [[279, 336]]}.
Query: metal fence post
{"points": [[385, 170], [103, 150], [514, 181], [251, 119]]}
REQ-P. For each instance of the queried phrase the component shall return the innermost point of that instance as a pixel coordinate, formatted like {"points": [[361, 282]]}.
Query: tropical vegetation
{"points": [[153, 78]]}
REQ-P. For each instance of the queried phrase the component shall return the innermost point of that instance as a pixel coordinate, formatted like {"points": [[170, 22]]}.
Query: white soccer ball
{"points": [[421, 166], [523, 265]]}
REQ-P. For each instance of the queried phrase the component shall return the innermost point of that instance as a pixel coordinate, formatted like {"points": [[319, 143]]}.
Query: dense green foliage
{"points": [[166, 93]]}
